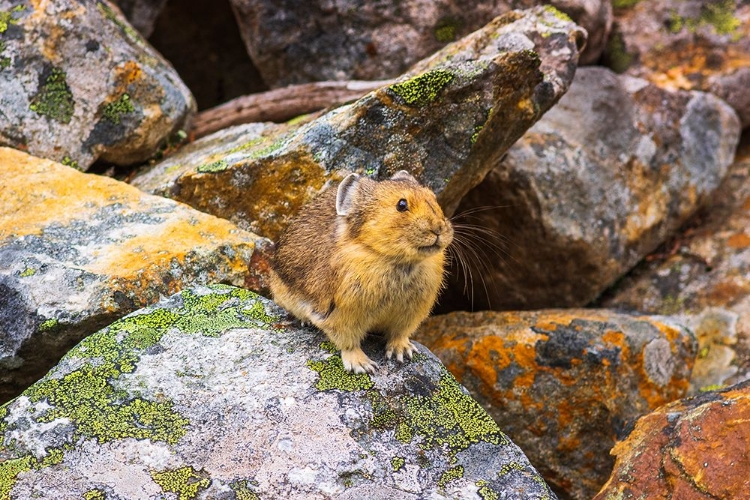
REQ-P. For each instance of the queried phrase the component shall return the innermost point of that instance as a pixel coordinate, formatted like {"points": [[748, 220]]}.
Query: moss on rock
{"points": [[54, 98], [422, 89], [185, 482], [113, 111]]}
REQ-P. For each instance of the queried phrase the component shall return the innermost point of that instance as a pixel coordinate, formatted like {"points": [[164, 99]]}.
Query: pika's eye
{"points": [[402, 205]]}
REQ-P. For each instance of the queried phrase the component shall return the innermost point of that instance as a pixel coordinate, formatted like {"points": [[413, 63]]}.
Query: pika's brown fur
{"points": [[364, 257]]}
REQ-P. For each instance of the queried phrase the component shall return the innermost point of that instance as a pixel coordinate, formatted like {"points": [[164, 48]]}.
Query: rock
{"points": [[78, 251], [210, 394], [141, 14], [705, 279], [84, 89], [599, 182], [691, 449], [447, 121], [564, 384], [300, 42], [686, 44]]}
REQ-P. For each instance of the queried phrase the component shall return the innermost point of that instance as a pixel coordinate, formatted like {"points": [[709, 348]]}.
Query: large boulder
{"points": [[297, 42], [78, 83], [78, 251], [686, 44], [599, 182], [565, 384], [211, 394], [447, 121]]}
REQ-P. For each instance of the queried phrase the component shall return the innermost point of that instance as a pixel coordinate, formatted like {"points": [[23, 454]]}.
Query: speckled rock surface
{"points": [[141, 14], [693, 449], [297, 42], [600, 181], [686, 44], [447, 121], [564, 384], [78, 251], [78, 83], [209, 395], [705, 277]]}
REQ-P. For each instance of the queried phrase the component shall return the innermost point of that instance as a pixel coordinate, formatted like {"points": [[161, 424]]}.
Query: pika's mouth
{"points": [[435, 247]]}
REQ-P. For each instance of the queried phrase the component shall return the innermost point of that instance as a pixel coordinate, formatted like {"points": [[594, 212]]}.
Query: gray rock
{"points": [[209, 394], [78, 251], [447, 121], [297, 42], [606, 176], [84, 89]]}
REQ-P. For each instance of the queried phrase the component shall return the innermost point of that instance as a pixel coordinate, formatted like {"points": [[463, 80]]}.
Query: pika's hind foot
{"points": [[399, 346], [356, 361]]}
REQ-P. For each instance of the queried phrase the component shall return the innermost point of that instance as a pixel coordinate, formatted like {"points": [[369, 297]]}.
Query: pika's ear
{"points": [[345, 194], [403, 175]]}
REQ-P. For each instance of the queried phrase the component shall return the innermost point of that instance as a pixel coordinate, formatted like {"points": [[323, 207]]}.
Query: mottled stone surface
{"points": [[141, 14], [693, 449], [447, 121], [704, 275], [609, 173], [565, 384], [78, 251], [686, 44], [210, 394], [78, 83], [296, 42]]}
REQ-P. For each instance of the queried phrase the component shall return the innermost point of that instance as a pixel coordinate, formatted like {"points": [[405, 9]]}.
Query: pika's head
{"points": [[397, 218]]}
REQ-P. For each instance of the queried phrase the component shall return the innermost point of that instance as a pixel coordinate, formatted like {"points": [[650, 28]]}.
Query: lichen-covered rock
{"points": [[447, 121], [599, 182], [297, 42], [693, 449], [141, 14], [564, 384], [705, 278], [686, 44], [209, 394], [78, 83], [78, 251]]}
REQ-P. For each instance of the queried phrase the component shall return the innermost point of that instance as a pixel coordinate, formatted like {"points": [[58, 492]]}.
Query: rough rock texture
{"points": [[564, 384], [207, 395], [599, 182], [693, 449], [78, 83], [78, 251], [686, 44], [141, 14], [297, 42], [447, 121], [705, 277]]}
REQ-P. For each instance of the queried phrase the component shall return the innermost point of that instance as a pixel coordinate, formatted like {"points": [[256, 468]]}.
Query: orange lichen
{"points": [[739, 240]]}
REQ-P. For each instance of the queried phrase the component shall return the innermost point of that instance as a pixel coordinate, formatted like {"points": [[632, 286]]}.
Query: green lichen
{"points": [[9, 471], [618, 57], [446, 30], [475, 135], [212, 314], [243, 491], [4, 61], [712, 387], [29, 271], [334, 376], [557, 13], [383, 416], [422, 89], [624, 4], [54, 99], [719, 15], [70, 162], [297, 120], [485, 491], [451, 475], [508, 468], [185, 482], [110, 14], [48, 325], [397, 463], [113, 111], [6, 18], [95, 495], [211, 168], [267, 150]]}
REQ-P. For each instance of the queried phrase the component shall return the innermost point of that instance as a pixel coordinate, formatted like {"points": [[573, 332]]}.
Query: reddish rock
{"points": [[692, 449], [564, 384]]}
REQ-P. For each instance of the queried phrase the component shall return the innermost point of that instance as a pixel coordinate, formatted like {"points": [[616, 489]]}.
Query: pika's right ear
{"points": [[345, 194]]}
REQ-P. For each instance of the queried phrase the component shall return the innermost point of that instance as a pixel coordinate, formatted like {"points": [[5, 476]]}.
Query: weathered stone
{"points": [[705, 278], [210, 394], [78, 83], [141, 14], [692, 449], [447, 122], [298, 42], [599, 182], [686, 44], [78, 251], [564, 384]]}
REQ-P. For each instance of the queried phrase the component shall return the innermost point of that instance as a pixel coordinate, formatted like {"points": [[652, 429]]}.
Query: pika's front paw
{"points": [[356, 361], [399, 347]]}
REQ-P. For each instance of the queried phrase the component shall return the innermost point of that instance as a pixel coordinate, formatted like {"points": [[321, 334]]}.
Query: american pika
{"points": [[365, 257]]}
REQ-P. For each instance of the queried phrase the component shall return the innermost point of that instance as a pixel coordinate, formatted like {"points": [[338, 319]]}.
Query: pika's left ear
{"points": [[403, 175]]}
